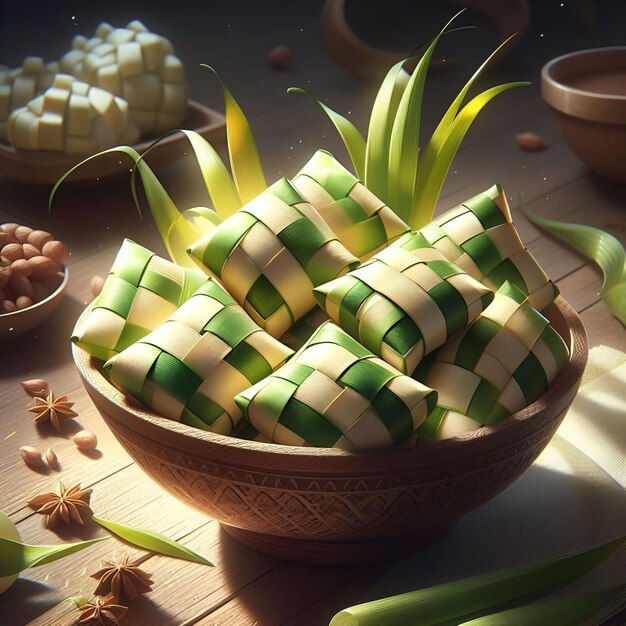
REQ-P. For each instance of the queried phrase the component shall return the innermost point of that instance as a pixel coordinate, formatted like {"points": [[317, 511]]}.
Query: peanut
{"points": [[39, 238], [5, 238], [23, 302], [31, 456], [30, 251], [8, 306], [35, 387], [22, 266], [279, 56], [5, 276], [85, 440], [51, 458], [13, 251], [43, 267], [21, 233], [96, 284], [19, 285], [55, 250], [9, 227], [530, 141]]}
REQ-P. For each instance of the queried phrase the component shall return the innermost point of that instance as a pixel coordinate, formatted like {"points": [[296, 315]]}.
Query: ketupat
{"points": [[335, 393], [501, 363], [191, 367]]}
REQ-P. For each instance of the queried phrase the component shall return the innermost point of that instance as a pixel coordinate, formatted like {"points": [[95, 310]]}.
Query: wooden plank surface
{"points": [[246, 588]]}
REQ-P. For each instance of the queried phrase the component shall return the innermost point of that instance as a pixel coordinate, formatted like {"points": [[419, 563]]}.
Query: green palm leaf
{"points": [[352, 138], [177, 234], [217, 179], [404, 140], [379, 131], [152, 541], [424, 206], [602, 248], [562, 611], [463, 599], [242, 150], [439, 136], [15, 556]]}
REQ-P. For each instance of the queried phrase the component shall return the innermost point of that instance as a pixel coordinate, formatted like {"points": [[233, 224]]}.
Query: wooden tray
{"points": [[45, 168]]}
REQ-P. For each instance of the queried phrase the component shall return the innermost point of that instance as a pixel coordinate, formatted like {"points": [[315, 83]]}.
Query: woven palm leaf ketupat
{"points": [[504, 361], [302, 330], [141, 291], [335, 393], [361, 221], [191, 367], [403, 304], [271, 253], [479, 237]]}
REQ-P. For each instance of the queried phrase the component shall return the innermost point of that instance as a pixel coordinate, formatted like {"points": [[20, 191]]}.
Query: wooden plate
{"points": [[45, 168]]}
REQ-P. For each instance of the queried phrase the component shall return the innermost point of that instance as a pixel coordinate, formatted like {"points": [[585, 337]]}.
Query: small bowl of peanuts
{"points": [[33, 277]]}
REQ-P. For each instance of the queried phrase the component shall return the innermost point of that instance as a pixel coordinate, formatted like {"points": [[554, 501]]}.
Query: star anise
{"points": [[68, 505], [122, 579], [102, 611], [52, 409]]}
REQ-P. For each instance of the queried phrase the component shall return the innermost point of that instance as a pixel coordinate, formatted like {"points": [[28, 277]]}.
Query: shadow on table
{"points": [[564, 502]]}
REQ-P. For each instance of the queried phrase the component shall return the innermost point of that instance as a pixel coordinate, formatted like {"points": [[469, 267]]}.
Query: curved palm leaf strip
{"points": [[404, 140], [462, 599], [602, 248], [438, 139], [16, 556], [152, 541], [244, 156], [424, 206], [217, 179], [571, 611], [379, 130], [352, 138], [163, 209]]}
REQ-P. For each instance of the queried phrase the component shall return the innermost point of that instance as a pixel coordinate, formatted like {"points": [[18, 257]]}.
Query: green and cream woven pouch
{"points": [[504, 361], [141, 291], [362, 222], [335, 393], [481, 239], [190, 368], [271, 253], [403, 304], [302, 330]]}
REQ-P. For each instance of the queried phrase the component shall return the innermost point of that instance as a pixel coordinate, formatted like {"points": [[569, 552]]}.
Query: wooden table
{"points": [[247, 588]]}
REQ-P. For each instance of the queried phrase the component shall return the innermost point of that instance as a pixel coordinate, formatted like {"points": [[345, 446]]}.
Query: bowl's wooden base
{"points": [[337, 552]]}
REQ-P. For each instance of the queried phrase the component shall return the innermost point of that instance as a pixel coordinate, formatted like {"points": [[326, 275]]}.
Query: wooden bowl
{"points": [[45, 168], [586, 92], [332, 506], [20, 322]]}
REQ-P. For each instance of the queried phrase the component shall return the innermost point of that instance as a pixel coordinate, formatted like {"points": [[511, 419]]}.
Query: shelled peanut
{"points": [[31, 266]]}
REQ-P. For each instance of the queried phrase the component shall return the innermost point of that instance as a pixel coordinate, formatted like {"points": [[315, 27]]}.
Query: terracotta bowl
{"points": [[20, 322], [332, 506], [586, 92]]}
